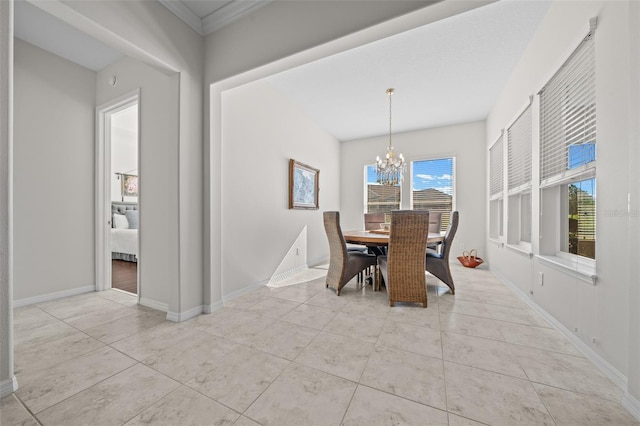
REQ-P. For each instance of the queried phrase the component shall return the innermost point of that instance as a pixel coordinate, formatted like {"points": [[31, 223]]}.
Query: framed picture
{"points": [[303, 186], [129, 185]]}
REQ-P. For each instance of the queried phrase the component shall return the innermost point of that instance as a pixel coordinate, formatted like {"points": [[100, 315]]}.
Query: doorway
{"points": [[118, 195]]}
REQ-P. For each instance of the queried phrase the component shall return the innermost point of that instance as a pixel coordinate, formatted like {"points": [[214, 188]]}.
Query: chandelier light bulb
{"points": [[391, 170]]}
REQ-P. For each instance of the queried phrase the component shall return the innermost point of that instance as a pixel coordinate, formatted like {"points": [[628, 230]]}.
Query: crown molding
{"points": [[229, 13], [183, 12]]}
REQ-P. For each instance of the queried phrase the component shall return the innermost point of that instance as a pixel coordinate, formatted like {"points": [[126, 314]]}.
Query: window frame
{"points": [[452, 157], [558, 182], [519, 154], [366, 190], [496, 200]]}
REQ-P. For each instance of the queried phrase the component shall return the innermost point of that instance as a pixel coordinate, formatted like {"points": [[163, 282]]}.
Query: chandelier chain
{"points": [[390, 170], [390, 93]]}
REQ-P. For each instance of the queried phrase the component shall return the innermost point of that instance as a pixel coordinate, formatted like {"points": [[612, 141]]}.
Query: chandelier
{"points": [[390, 170]]}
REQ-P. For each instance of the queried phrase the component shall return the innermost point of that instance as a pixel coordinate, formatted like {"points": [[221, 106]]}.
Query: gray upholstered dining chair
{"points": [[404, 265], [343, 264], [435, 223], [438, 263]]}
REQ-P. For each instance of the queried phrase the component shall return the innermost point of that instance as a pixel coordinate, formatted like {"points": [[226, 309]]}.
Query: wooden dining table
{"points": [[380, 238]]}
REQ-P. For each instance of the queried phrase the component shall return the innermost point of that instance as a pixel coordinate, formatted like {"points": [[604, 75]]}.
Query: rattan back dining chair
{"points": [[403, 267], [373, 221], [438, 263], [343, 264]]}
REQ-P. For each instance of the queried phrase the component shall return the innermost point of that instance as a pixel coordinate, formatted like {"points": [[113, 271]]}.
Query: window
{"points": [[496, 186], [568, 151], [580, 226], [432, 187], [379, 198], [519, 140]]}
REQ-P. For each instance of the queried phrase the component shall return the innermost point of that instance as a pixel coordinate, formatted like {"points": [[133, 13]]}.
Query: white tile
{"points": [[412, 376], [238, 378], [493, 398], [335, 354], [370, 407], [185, 407], [303, 396], [570, 408], [112, 401], [411, 338]]}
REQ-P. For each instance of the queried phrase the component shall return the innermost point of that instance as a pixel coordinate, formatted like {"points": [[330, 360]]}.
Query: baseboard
{"points": [[53, 296], [7, 387], [317, 262], [183, 316], [632, 405], [607, 369], [154, 304], [286, 274], [207, 309], [243, 291]]}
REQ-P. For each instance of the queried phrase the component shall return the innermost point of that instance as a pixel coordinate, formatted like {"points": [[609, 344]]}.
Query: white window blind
{"points": [[496, 182], [380, 198], [519, 152], [432, 190], [568, 118]]}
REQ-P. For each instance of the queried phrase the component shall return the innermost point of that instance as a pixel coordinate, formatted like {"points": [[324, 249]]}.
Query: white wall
{"points": [[8, 381], [159, 250], [465, 142], [633, 374], [266, 34], [262, 130], [53, 179], [124, 158], [601, 311], [274, 39], [149, 32]]}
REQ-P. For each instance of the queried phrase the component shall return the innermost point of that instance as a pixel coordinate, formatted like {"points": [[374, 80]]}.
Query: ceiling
{"points": [[448, 72], [206, 16], [451, 71]]}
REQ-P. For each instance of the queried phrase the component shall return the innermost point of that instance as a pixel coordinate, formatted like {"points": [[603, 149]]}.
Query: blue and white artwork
{"points": [[304, 186]]}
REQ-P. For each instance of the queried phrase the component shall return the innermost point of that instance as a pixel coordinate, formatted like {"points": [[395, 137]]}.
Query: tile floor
{"points": [[300, 355]]}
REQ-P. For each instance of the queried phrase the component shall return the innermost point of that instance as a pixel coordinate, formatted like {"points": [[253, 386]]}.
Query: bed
{"points": [[124, 231]]}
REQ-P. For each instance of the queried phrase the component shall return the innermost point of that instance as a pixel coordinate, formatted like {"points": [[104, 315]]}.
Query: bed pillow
{"points": [[120, 221], [133, 217]]}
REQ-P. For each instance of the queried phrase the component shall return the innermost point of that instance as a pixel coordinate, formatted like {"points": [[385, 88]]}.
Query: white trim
{"points": [[7, 359], [150, 303], [207, 309], [53, 296], [582, 272], [318, 262], [607, 369], [499, 243], [8, 386], [580, 173], [566, 55], [183, 12], [631, 404], [521, 249], [286, 274], [103, 186], [243, 291], [520, 189], [183, 316], [229, 13]]}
